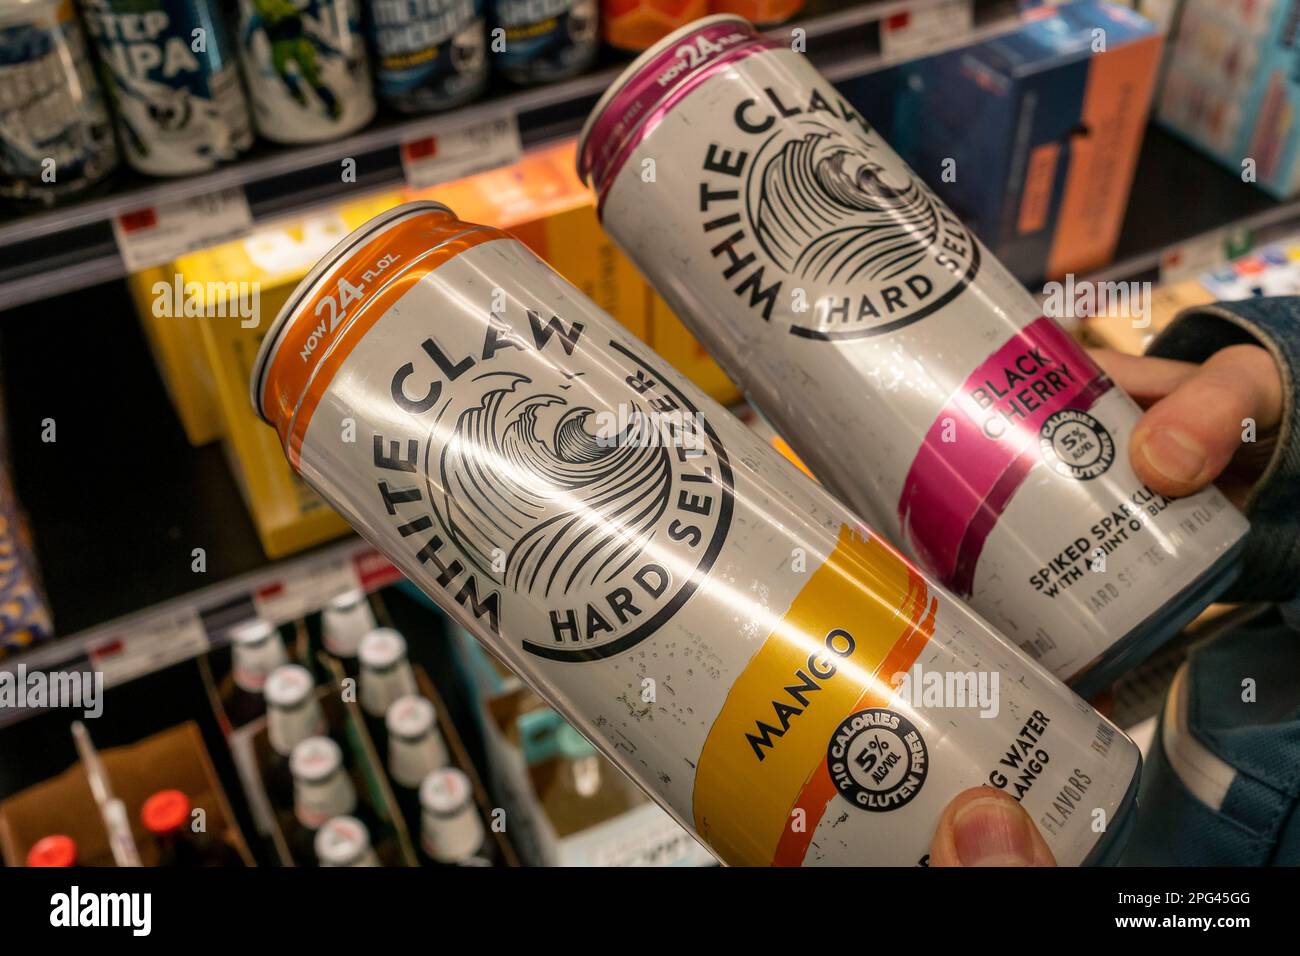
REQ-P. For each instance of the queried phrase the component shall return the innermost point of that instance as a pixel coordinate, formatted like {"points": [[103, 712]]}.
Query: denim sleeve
{"points": [[1271, 561]]}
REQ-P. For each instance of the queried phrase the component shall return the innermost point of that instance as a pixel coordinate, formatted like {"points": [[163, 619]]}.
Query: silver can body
{"points": [[900, 360], [722, 628]]}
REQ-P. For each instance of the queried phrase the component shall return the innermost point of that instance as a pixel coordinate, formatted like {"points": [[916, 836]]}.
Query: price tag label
{"points": [[913, 33], [461, 151], [149, 646], [152, 235], [304, 589]]}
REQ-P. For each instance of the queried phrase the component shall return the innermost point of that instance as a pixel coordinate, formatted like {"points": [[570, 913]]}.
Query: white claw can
{"points": [[784, 683], [899, 359]]}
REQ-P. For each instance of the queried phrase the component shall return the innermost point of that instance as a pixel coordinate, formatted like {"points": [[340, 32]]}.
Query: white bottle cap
{"points": [[451, 830], [256, 650], [386, 674], [292, 711], [322, 788], [344, 841], [415, 744], [347, 618]]}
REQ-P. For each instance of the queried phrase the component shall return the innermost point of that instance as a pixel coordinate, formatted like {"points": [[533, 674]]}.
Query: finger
{"points": [[986, 827], [1147, 380], [1188, 437]]}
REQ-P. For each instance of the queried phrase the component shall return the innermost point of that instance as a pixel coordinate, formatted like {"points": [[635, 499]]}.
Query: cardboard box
{"points": [[1232, 89], [176, 759], [1031, 137]]}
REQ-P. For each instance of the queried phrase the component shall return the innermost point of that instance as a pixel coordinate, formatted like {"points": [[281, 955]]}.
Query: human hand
{"points": [[1191, 433], [986, 827]]}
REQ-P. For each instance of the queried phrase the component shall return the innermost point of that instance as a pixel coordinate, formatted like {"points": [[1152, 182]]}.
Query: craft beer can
{"points": [[899, 359], [720, 626], [306, 67], [430, 55], [170, 72], [537, 41]]}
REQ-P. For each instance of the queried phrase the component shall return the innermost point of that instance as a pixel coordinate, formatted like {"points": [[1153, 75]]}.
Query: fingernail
{"points": [[1177, 456], [991, 832]]}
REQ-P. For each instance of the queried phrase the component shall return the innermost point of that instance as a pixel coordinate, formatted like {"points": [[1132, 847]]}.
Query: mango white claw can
{"points": [[902, 362], [721, 627]]}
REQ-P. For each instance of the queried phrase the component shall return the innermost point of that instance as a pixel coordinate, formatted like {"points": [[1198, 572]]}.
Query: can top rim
{"points": [[633, 69], [266, 352]]}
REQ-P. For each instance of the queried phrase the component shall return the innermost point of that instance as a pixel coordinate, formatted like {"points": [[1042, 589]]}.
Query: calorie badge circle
{"points": [[877, 760], [1076, 445]]}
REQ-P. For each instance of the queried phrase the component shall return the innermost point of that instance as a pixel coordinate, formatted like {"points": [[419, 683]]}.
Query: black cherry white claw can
{"points": [[900, 360], [716, 623]]}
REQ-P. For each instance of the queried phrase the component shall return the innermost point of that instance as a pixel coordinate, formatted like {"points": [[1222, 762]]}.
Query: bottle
{"points": [[386, 675], [322, 788], [344, 841], [416, 748], [166, 816], [256, 649], [347, 618], [53, 850], [451, 830], [293, 713]]}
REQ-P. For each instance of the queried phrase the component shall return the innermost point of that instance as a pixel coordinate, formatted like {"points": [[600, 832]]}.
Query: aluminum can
{"points": [[56, 138], [899, 359], [721, 627], [544, 40], [306, 66], [170, 72], [430, 54]]}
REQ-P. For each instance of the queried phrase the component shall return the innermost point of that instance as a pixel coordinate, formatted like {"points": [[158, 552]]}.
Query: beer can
{"points": [[170, 73], [429, 56], [56, 138], [306, 67], [537, 42], [721, 627], [634, 25], [899, 359]]}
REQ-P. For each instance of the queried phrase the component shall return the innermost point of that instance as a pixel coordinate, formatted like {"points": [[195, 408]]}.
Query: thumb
{"points": [[986, 827], [1186, 439]]}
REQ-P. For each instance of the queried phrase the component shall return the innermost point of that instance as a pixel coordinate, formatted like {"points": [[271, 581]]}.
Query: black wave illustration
{"points": [[568, 508], [823, 210]]}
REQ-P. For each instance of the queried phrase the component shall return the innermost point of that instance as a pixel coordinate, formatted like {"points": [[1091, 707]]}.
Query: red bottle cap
{"points": [[56, 850], [165, 812]]}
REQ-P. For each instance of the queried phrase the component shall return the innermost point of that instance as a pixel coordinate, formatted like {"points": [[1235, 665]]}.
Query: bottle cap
{"points": [[382, 648], [165, 812], [53, 850], [444, 792], [347, 618], [315, 759], [409, 717], [341, 841], [252, 633], [288, 686]]}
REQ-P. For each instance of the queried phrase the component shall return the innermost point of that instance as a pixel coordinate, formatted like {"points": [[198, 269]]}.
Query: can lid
{"points": [[315, 759], [382, 648], [165, 812], [53, 850], [275, 332], [248, 633], [445, 791], [288, 685], [409, 716], [586, 159], [341, 840]]}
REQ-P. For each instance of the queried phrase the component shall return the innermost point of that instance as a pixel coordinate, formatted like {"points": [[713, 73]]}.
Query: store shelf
{"points": [[45, 253]]}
